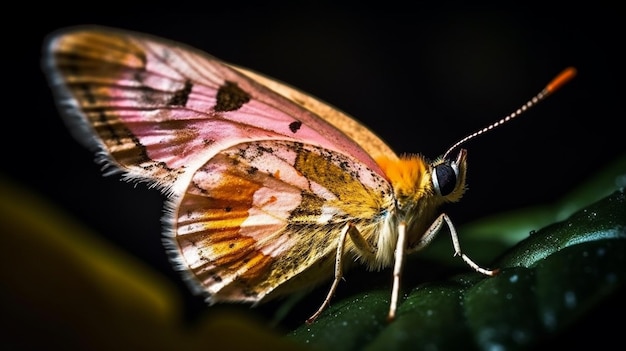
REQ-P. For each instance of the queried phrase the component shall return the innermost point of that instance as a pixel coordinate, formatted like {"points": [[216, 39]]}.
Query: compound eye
{"points": [[445, 178]]}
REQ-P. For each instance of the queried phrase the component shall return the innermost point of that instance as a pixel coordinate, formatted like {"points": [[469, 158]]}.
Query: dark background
{"points": [[420, 80]]}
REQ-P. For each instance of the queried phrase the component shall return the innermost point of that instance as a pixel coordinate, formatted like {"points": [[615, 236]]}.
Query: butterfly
{"points": [[270, 190]]}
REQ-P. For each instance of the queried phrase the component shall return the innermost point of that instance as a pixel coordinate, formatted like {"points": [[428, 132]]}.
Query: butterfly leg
{"points": [[361, 244], [397, 270], [432, 232]]}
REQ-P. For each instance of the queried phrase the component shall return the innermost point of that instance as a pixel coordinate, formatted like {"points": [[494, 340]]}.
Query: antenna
{"points": [[565, 76]]}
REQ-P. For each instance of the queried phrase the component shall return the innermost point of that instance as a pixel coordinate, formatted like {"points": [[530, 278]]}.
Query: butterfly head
{"points": [[448, 177], [417, 182]]}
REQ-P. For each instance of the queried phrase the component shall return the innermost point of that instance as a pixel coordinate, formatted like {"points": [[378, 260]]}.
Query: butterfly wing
{"points": [[258, 215], [263, 177], [157, 110]]}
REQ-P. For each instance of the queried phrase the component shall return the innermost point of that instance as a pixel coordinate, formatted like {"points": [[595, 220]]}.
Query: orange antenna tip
{"points": [[565, 76], [568, 74]]}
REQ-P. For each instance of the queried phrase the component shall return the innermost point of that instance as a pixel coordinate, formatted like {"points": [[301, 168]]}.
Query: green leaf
{"points": [[519, 223], [549, 282]]}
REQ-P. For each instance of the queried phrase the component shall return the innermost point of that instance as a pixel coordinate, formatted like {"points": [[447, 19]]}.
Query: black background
{"points": [[420, 80]]}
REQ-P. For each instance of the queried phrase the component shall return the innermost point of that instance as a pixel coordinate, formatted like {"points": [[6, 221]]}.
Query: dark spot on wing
{"points": [[252, 170], [263, 149], [295, 126], [230, 97], [181, 96]]}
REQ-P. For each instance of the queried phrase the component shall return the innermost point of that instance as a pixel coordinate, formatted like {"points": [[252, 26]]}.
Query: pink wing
{"points": [[158, 110]]}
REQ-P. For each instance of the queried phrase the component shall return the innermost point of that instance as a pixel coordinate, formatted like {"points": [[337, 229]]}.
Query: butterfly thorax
{"points": [[410, 179], [418, 197]]}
